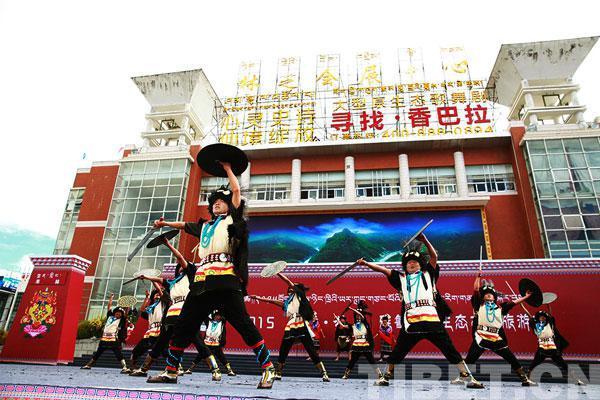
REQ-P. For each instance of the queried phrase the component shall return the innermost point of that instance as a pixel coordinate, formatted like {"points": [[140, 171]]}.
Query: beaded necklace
{"points": [[208, 231], [490, 309], [412, 280]]}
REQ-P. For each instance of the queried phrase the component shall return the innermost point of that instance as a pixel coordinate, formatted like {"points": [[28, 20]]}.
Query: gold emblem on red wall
{"points": [[41, 313]]}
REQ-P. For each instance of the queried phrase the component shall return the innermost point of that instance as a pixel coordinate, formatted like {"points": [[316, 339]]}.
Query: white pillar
{"points": [[575, 102], [185, 128], [404, 176], [245, 179], [296, 180], [462, 188], [529, 103], [350, 185]]}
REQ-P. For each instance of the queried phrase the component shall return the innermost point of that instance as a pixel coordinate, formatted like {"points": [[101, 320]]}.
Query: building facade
{"points": [[532, 189]]}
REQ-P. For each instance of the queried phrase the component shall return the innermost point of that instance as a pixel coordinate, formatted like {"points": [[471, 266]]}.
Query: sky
{"points": [[65, 87]]}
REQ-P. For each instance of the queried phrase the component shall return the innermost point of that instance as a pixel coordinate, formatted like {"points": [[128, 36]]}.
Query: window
{"points": [[209, 185], [377, 183], [270, 187], [432, 181], [574, 221], [566, 188], [490, 178], [145, 191], [69, 220], [552, 100], [327, 185]]}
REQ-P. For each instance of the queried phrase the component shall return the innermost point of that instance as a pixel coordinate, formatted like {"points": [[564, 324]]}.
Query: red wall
{"points": [[98, 193], [524, 187], [509, 235], [321, 164], [99, 186], [57, 344], [571, 310]]}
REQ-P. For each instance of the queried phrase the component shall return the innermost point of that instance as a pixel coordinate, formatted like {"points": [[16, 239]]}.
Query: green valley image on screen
{"points": [[377, 236]]}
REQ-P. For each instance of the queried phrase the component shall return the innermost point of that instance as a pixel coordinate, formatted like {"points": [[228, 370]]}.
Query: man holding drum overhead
{"points": [[222, 274]]}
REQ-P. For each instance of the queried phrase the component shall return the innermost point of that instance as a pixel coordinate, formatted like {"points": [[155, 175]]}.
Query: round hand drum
{"points": [[127, 301], [160, 239], [273, 269], [536, 298], [208, 159]]}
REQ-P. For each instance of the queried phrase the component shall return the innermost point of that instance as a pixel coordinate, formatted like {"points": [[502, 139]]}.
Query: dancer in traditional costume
{"points": [[178, 289], [215, 340], [488, 333], [362, 341], [297, 310], [113, 335], [220, 280], [421, 309], [343, 336], [316, 332], [153, 308], [386, 337], [550, 343]]}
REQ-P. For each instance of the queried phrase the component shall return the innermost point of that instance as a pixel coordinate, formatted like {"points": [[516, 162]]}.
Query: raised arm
{"points": [[522, 299], [278, 303], [358, 312], [477, 283], [180, 259], [157, 281], [110, 300], [374, 267], [158, 287], [146, 302], [159, 223], [234, 185], [285, 279], [433, 257]]}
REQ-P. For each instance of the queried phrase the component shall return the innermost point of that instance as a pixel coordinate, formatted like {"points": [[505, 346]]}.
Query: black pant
{"points": [[201, 348], [114, 346], [475, 351], [216, 351], [196, 309], [355, 355], [441, 340], [162, 343], [307, 342], [142, 347], [555, 356]]}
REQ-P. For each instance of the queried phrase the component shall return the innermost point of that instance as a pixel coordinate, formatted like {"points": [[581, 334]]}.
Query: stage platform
{"points": [[19, 381]]}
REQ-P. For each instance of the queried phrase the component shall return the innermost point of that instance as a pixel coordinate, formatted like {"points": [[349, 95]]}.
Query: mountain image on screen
{"points": [[345, 246], [275, 248]]}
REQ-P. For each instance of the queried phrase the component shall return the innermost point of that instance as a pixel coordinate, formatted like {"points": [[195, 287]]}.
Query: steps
{"points": [[300, 367]]}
